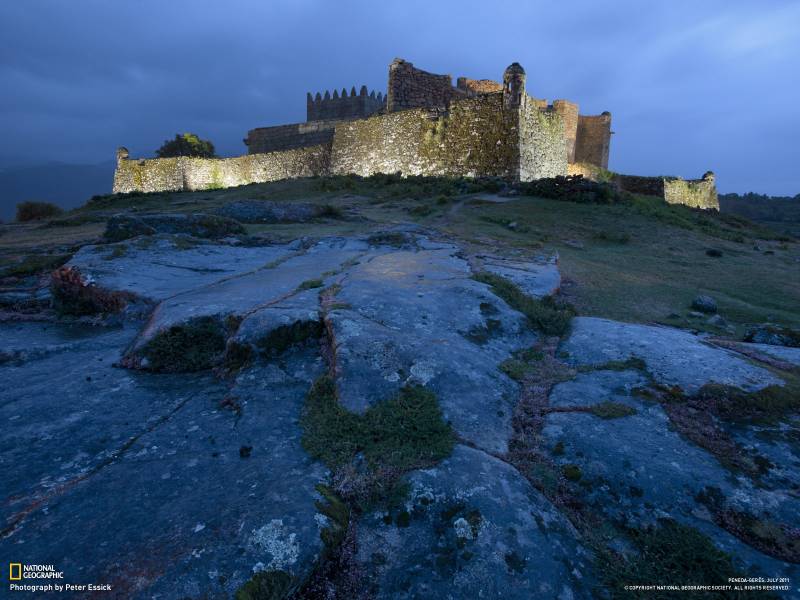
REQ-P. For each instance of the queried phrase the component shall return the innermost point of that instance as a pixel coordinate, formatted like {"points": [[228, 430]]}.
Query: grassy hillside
{"points": [[640, 260]]}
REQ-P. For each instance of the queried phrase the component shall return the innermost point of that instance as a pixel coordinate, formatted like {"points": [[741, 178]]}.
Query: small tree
{"points": [[188, 144], [33, 211]]}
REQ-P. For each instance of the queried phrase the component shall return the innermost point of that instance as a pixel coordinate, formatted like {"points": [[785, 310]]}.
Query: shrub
{"points": [[33, 211], [187, 144], [74, 295], [669, 552], [574, 188], [195, 345]]}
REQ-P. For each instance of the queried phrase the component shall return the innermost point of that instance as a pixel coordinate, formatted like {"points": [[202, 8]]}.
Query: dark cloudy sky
{"points": [[691, 85]]}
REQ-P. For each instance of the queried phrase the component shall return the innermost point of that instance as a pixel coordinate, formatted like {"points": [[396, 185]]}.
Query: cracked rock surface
{"points": [[186, 485]]}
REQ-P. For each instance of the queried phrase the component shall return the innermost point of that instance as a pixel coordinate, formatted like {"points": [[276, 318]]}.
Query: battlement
{"points": [[339, 107]]}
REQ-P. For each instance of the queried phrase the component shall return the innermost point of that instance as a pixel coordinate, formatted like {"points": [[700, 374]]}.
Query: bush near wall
{"points": [[575, 188], [187, 144], [33, 211]]}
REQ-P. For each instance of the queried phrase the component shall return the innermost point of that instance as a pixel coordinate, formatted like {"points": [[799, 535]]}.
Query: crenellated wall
{"points": [[344, 106]]}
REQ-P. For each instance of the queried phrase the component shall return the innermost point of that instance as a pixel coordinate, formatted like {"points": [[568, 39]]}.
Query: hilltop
{"points": [[401, 387]]}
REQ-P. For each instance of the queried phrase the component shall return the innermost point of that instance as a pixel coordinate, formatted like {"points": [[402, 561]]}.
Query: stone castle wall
{"points": [[188, 173], [543, 145], [424, 126], [569, 114], [473, 87], [410, 87], [474, 138], [593, 139]]}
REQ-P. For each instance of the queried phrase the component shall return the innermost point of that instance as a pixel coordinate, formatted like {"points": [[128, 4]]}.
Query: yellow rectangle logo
{"points": [[15, 571]]}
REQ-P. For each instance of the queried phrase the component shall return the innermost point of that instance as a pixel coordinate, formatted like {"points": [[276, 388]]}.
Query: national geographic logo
{"points": [[20, 571]]}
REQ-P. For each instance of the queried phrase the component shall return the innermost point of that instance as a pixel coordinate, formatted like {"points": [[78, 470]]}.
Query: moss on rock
{"points": [[195, 345]]}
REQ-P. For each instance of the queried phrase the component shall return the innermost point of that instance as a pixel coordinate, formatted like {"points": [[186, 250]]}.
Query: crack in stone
{"points": [[16, 520]]}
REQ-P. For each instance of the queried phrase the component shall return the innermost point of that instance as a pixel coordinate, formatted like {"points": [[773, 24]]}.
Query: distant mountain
{"points": [[63, 184], [781, 213]]}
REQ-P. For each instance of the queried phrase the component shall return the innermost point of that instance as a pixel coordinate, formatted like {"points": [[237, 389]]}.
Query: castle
{"points": [[422, 126]]}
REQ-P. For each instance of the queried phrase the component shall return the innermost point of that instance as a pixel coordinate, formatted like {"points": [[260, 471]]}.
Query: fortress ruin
{"points": [[422, 126]]}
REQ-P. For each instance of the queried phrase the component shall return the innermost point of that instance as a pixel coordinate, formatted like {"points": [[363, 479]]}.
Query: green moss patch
{"points": [[765, 535], [311, 284], [632, 363], [282, 338], [668, 553], [195, 345], [266, 585], [404, 432], [572, 472], [611, 410], [735, 404], [481, 334], [34, 263], [545, 315], [522, 363]]}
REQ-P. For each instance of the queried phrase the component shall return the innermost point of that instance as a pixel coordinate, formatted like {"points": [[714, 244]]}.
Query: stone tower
{"points": [[513, 86]]}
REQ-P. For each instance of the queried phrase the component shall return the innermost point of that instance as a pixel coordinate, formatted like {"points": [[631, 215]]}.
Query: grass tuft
{"points": [[545, 315], [405, 432]]}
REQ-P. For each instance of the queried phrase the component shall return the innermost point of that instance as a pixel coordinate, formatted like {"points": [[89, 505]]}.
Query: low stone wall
{"points": [[697, 193], [188, 174], [635, 184]]}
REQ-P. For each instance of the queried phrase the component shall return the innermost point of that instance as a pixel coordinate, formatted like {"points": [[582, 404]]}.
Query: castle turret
{"points": [[513, 86]]}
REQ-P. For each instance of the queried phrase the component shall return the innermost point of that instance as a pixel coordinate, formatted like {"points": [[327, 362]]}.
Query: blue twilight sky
{"points": [[692, 85]]}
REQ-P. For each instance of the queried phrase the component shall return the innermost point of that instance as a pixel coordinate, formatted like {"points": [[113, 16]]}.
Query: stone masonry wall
{"points": [[186, 173], [543, 146], [414, 88], [593, 139], [286, 137], [474, 87], [697, 193], [569, 114], [475, 138]]}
